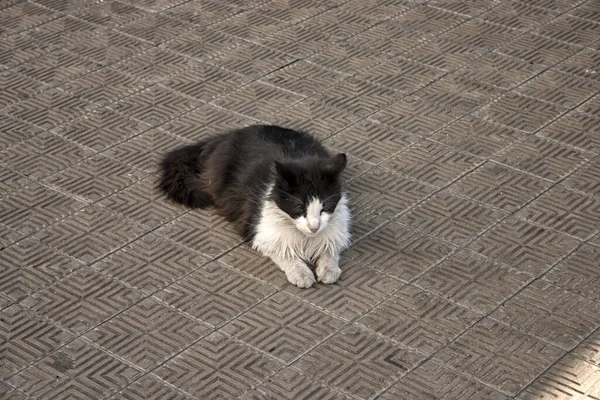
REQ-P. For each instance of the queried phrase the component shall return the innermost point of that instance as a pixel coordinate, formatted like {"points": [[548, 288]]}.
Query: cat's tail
{"points": [[180, 180]]}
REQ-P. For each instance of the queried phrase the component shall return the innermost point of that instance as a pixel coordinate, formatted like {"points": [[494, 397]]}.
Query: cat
{"points": [[279, 187]]}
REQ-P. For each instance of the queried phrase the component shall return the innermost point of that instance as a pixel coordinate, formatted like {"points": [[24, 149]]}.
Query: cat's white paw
{"points": [[301, 276], [328, 272]]}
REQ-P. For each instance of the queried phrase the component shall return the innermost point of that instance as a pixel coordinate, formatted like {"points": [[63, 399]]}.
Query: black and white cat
{"points": [[279, 187]]}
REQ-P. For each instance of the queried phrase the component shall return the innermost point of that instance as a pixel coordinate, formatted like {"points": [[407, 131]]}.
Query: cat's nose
{"points": [[313, 228]]}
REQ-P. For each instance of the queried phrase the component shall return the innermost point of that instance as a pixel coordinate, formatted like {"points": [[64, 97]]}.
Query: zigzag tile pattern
{"points": [[472, 130]]}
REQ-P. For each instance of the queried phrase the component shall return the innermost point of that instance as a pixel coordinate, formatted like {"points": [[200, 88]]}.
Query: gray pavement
{"points": [[473, 131]]}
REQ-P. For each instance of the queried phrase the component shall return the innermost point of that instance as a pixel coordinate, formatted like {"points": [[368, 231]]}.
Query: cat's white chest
{"points": [[277, 236]]}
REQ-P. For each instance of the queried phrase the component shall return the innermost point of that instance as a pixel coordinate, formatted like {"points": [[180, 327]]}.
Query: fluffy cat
{"points": [[279, 187]]}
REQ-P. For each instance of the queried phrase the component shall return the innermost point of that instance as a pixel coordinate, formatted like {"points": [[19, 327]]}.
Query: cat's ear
{"points": [[337, 164], [285, 174]]}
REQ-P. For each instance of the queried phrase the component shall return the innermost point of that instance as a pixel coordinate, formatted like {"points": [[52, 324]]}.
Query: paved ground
{"points": [[474, 133]]}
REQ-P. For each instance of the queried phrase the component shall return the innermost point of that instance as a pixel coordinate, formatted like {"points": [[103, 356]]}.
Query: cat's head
{"points": [[309, 191]]}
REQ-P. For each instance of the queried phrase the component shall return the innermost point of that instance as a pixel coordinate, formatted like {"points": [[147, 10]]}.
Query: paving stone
{"points": [[544, 310], [472, 134], [435, 381], [499, 356], [358, 362], [419, 320], [229, 368], [523, 246], [273, 328], [473, 281], [77, 369], [153, 333], [214, 295], [570, 378]]}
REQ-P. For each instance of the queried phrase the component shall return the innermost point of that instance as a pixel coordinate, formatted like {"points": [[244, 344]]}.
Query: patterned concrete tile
{"points": [[314, 116], [419, 320], [520, 112], [395, 193], [145, 150], [570, 378], [154, 65], [400, 252], [356, 292], [149, 387], [86, 298], [143, 203], [214, 238], [473, 281], [499, 186], [252, 60], [204, 81], [49, 109], [215, 294], [371, 141], [24, 15], [18, 87], [586, 179], [257, 100], [90, 234], [29, 266], [499, 356], [153, 333], [542, 157], [26, 338], [415, 115], [150, 263], [358, 362], [348, 57], [76, 370], [566, 211], [431, 380], [357, 97], [206, 121], [452, 218], [201, 12], [401, 74], [95, 177], [43, 154], [303, 78], [155, 28], [575, 129], [589, 349], [517, 15], [15, 131], [35, 207], [109, 47], [229, 368], [273, 328], [523, 246], [18, 49], [432, 163], [476, 136], [544, 310], [578, 273], [480, 34], [291, 384], [155, 105], [453, 114]]}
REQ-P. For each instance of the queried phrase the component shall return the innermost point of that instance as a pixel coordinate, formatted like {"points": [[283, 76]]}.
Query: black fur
{"points": [[233, 171]]}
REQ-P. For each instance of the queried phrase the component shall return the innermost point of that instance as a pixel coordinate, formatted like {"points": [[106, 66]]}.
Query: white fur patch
{"points": [[279, 236]]}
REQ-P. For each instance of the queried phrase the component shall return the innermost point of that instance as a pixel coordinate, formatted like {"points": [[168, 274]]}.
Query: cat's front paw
{"points": [[328, 271], [300, 276]]}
